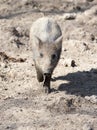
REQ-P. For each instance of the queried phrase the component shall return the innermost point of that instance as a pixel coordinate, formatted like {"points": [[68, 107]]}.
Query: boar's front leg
{"points": [[40, 77], [46, 83]]}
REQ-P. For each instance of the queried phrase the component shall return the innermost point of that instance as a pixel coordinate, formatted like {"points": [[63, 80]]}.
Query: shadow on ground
{"points": [[80, 83]]}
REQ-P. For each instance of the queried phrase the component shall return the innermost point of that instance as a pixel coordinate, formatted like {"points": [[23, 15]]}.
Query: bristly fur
{"points": [[46, 43]]}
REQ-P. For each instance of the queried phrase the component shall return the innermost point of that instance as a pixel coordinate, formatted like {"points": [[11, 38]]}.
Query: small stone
{"points": [[21, 110], [19, 93], [92, 37], [6, 89], [26, 98], [20, 31], [73, 63], [11, 74], [69, 16], [6, 98], [7, 127], [14, 31], [66, 65], [87, 97], [92, 98]]}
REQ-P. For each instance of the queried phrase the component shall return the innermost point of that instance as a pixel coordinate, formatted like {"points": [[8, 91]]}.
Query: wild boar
{"points": [[46, 44]]}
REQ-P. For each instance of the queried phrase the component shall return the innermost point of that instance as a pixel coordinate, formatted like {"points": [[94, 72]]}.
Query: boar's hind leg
{"points": [[39, 75]]}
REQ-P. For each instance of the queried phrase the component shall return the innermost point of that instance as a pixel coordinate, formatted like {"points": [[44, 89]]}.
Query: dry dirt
{"points": [[72, 104]]}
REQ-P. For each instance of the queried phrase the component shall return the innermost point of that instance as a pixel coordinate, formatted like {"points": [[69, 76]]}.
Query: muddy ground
{"points": [[72, 104]]}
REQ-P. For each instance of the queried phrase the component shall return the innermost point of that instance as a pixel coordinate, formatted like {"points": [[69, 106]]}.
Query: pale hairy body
{"points": [[46, 44]]}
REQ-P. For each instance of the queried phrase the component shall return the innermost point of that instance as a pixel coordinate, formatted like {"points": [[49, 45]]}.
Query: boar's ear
{"points": [[39, 42], [58, 42]]}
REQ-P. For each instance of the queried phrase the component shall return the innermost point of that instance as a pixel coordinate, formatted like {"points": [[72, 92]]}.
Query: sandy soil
{"points": [[72, 104]]}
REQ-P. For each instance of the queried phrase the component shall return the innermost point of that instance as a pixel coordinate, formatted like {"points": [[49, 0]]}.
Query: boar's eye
{"points": [[53, 56], [41, 55]]}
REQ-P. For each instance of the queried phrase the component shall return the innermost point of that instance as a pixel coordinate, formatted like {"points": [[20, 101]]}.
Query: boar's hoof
{"points": [[47, 90], [40, 76]]}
